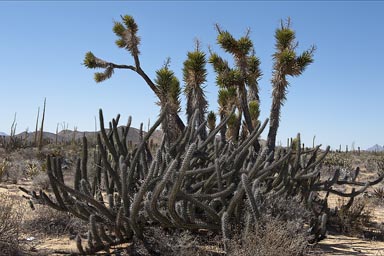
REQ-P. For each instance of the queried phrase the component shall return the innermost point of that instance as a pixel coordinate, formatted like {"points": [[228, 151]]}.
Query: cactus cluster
{"points": [[192, 184]]}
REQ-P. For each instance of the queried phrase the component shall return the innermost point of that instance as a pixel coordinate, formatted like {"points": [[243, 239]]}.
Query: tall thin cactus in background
{"points": [[286, 63], [40, 146], [37, 125]]}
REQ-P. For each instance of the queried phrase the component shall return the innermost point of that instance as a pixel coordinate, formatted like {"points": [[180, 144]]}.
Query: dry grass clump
{"points": [[48, 221], [280, 230], [41, 181], [10, 215], [180, 243], [4, 166], [274, 237], [354, 219]]}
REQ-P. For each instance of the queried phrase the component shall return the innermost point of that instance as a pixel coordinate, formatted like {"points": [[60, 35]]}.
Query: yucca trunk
{"points": [[245, 109], [196, 100], [169, 125], [223, 130], [279, 90]]}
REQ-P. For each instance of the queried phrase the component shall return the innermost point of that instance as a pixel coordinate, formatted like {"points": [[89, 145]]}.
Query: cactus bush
{"points": [[192, 185]]}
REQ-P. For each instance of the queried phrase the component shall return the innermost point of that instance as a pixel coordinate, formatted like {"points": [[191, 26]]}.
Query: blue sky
{"points": [[338, 98]]}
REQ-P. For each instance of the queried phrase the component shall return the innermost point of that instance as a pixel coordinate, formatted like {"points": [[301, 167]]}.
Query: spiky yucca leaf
{"points": [[244, 45], [254, 66], [118, 28], [169, 88], [194, 71], [211, 120], [284, 37], [305, 59], [128, 38], [254, 110], [91, 61], [287, 58], [227, 42], [219, 64], [130, 23], [102, 76], [230, 78], [226, 99], [194, 76]]}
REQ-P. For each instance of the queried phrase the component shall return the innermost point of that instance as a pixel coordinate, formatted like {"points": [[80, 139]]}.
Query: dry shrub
{"points": [[41, 181], [378, 193], [10, 215], [48, 221], [273, 238], [352, 220], [4, 166], [173, 242]]}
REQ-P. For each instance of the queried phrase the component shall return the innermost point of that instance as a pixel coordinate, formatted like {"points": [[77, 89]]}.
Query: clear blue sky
{"points": [[339, 98]]}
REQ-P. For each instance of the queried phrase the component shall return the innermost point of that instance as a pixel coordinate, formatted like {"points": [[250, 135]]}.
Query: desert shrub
{"points": [[32, 168], [378, 193], [4, 166], [10, 215], [41, 181], [182, 243], [15, 171], [351, 219], [274, 237], [52, 222]]}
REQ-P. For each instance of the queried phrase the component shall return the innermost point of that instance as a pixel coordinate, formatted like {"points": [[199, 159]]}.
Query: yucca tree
{"points": [[254, 111], [194, 76], [286, 63], [245, 74], [211, 121], [169, 90], [227, 99], [126, 31]]}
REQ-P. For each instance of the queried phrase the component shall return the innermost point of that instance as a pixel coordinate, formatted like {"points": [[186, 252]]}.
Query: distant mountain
{"points": [[3, 134], [68, 136], [376, 148]]}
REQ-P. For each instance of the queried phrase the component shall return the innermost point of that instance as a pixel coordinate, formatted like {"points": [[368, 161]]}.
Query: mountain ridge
{"points": [[375, 148]]}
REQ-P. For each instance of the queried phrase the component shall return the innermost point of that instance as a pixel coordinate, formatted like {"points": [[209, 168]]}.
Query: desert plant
{"points": [[49, 221], [352, 216], [245, 74], [194, 76], [32, 168], [276, 237], [40, 145], [169, 94], [10, 216], [126, 31], [4, 166], [211, 121], [286, 63]]}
